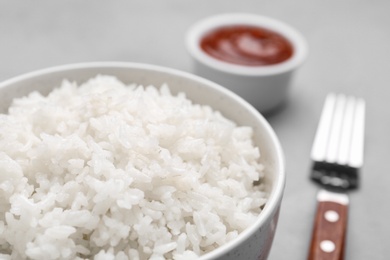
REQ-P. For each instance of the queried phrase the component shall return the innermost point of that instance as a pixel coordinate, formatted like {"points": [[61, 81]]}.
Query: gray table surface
{"points": [[349, 52]]}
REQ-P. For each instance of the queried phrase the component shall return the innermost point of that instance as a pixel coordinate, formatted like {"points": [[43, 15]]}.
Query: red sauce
{"points": [[247, 45]]}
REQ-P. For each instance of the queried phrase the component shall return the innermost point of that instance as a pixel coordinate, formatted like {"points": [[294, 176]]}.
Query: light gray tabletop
{"points": [[349, 53]]}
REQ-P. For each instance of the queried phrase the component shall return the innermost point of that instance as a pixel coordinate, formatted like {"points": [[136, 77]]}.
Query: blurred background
{"points": [[348, 52]]}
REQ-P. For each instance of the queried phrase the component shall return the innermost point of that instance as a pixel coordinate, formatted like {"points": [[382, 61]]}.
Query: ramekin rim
{"points": [[198, 29]]}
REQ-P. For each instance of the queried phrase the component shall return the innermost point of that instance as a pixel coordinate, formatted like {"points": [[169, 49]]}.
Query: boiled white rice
{"points": [[106, 170]]}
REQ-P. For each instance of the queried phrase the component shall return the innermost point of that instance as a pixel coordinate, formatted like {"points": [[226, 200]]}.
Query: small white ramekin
{"points": [[265, 87]]}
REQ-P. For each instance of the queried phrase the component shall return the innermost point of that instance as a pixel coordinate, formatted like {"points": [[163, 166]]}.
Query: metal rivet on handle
{"points": [[331, 216], [327, 246]]}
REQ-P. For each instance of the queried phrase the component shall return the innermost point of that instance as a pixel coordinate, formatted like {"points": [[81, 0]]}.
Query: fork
{"points": [[337, 155]]}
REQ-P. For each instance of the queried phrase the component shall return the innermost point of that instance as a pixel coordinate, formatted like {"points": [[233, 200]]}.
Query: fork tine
{"points": [[320, 144], [357, 141]]}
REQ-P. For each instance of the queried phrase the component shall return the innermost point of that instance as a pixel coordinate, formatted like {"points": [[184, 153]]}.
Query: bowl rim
{"points": [[274, 200], [200, 28]]}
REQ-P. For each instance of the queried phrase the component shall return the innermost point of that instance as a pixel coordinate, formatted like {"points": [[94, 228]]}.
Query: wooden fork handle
{"points": [[330, 226]]}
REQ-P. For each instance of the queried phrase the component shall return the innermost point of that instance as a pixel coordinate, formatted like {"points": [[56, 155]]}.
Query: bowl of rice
{"points": [[112, 160]]}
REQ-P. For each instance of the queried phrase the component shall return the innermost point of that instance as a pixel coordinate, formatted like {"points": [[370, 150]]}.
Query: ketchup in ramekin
{"points": [[247, 45]]}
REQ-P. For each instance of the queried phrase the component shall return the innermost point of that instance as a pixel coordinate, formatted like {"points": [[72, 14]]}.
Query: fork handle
{"points": [[330, 226]]}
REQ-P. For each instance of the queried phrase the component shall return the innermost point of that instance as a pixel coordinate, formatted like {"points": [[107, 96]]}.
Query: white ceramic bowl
{"points": [[255, 242], [265, 87]]}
